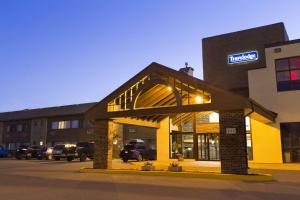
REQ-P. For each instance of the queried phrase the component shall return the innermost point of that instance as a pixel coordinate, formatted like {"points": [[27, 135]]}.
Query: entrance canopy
{"points": [[158, 91]]}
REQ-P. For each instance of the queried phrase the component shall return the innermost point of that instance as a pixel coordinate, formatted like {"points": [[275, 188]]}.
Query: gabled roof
{"points": [[46, 112], [221, 99]]}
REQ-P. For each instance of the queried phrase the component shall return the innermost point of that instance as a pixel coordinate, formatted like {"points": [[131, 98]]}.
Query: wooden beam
{"points": [[138, 122], [165, 110], [145, 97]]}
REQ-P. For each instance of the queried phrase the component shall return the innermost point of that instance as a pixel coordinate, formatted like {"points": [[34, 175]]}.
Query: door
{"points": [[208, 147]]}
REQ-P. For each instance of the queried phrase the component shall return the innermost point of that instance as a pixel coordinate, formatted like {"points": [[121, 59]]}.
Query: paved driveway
{"points": [[60, 180]]}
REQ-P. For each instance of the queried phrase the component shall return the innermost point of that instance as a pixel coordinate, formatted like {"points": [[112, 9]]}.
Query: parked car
{"points": [[3, 152], [45, 153], [85, 150], [136, 150], [64, 151], [27, 152]]}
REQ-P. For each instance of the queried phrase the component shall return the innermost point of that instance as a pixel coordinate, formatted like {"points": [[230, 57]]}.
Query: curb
{"points": [[250, 177]]}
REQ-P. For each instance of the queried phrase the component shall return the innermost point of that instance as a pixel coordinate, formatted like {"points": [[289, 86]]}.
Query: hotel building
{"points": [[245, 110]]}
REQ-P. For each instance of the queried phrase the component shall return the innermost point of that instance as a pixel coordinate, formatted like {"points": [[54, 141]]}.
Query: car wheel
{"points": [[18, 157], [28, 157], [82, 157], [139, 158], [125, 160], [57, 158], [69, 159]]}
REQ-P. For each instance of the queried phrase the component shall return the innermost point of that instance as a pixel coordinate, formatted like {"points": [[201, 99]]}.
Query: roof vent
{"points": [[187, 70]]}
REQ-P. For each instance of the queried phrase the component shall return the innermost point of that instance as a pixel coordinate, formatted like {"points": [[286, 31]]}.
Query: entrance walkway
{"points": [[200, 166], [188, 165]]}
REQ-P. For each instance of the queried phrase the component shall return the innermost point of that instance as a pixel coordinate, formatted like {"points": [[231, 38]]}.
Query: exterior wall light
{"points": [[198, 99]]}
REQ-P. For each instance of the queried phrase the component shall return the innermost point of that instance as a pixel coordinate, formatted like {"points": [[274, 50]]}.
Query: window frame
{"points": [[290, 84]]}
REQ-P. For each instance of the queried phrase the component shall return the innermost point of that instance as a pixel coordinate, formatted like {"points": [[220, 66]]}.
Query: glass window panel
{"points": [[295, 63], [213, 147], [282, 64], [61, 125], [283, 76], [8, 128], [54, 125], [188, 144], [75, 123], [295, 75], [19, 127], [67, 124], [290, 140], [248, 126]]}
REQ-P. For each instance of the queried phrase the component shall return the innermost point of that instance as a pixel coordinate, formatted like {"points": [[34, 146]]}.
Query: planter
{"points": [[148, 168], [175, 169]]}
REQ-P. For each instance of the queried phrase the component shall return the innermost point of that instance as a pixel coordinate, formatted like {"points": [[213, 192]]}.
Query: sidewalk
{"points": [[200, 166], [192, 166], [272, 166]]}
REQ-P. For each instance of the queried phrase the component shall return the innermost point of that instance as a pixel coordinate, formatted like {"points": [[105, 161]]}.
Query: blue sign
{"points": [[243, 57]]}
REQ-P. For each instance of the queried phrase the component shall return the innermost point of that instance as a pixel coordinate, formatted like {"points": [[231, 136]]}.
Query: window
{"points": [[54, 125], [65, 124], [290, 140], [8, 129], [288, 74], [182, 144], [19, 127], [75, 124]]}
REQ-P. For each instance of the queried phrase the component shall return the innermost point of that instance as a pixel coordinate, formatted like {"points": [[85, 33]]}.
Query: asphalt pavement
{"points": [[30, 180]]}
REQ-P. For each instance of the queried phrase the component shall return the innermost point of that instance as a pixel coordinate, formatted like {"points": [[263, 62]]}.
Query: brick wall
{"points": [[103, 144], [233, 148]]}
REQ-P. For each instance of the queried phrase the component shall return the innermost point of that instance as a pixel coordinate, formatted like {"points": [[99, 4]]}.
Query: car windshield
{"points": [[82, 144], [59, 147], [35, 147], [129, 147]]}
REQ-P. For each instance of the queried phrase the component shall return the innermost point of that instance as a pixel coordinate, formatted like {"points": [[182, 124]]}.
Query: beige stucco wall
{"points": [[163, 140], [263, 89], [266, 143]]}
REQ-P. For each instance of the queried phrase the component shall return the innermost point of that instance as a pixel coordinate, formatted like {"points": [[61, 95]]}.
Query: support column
{"points": [[233, 147], [103, 144]]}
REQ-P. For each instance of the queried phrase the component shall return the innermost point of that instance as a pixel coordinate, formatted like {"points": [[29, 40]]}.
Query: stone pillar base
{"points": [[103, 145], [233, 147]]}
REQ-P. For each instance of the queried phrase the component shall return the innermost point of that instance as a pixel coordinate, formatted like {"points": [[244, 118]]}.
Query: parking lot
{"points": [[33, 179]]}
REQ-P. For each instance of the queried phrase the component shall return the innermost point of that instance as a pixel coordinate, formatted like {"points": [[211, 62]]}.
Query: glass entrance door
{"points": [[208, 147]]}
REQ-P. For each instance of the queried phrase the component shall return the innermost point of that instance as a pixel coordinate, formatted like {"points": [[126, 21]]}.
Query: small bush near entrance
{"points": [[148, 166], [174, 167]]}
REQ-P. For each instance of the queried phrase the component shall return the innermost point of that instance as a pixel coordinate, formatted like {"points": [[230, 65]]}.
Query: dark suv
{"points": [[64, 151], [27, 152], [136, 150], [85, 150]]}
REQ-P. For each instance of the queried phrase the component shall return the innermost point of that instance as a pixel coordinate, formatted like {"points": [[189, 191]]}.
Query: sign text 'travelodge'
{"points": [[242, 57]]}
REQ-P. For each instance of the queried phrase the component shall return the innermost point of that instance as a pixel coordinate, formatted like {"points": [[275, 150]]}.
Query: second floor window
{"points": [[19, 127], [65, 124], [288, 73]]}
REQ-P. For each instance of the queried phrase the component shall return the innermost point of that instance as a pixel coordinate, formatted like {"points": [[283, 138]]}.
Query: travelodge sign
{"points": [[244, 57]]}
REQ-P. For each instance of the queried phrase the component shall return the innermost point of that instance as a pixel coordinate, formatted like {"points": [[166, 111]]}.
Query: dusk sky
{"points": [[59, 52]]}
